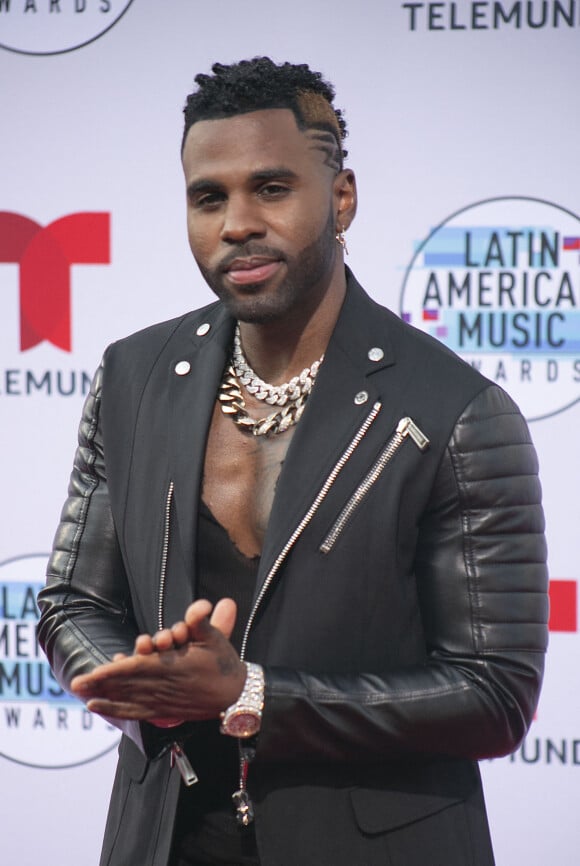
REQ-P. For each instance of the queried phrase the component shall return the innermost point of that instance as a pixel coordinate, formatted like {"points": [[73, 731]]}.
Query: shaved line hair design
{"points": [[260, 84], [326, 142]]}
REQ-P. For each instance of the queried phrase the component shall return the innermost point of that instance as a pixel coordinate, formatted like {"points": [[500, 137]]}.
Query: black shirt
{"points": [[206, 829]]}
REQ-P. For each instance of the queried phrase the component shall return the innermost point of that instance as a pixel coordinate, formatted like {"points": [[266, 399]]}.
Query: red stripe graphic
{"points": [[571, 243], [564, 605]]}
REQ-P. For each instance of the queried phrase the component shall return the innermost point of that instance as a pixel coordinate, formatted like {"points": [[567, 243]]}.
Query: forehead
{"points": [[248, 142]]}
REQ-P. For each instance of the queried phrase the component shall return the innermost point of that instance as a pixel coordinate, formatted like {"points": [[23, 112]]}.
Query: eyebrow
{"points": [[277, 173], [274, 173]]}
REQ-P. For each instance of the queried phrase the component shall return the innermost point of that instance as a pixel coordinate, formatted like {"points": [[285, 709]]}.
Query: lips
{"points": [[254, 269]]}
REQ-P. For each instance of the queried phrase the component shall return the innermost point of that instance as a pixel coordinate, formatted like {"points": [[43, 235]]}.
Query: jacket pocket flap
{"points": [[380, 811]]}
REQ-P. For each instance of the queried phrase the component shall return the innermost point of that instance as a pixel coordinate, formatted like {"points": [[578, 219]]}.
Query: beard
{"points": [[307, 278]]}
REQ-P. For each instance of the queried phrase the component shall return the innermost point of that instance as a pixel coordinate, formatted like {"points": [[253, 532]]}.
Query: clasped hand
{"points": [[188, 672]]}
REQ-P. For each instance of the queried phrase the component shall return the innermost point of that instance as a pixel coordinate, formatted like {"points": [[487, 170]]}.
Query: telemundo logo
{"points": [[498, 282]]}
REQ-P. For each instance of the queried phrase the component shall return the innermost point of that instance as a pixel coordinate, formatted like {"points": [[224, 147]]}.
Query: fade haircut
{"points": [[259, 84]]}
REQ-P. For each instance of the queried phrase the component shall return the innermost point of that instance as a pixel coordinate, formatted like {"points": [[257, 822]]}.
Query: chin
{"points": [[256, 308], [255, 314]]}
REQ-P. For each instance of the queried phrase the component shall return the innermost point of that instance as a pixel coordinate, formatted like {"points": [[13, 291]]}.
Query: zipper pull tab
{"points": [[179, 758], [240, 798], [244, 807], [407, 427]]}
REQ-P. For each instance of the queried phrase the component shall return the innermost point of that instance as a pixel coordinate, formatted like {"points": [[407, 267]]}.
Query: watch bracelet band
{"points": [[251, 698]]}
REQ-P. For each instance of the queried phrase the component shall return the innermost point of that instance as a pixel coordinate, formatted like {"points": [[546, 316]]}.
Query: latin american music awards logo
{"points": [[56, 26], [40, 724], [498, 282]]}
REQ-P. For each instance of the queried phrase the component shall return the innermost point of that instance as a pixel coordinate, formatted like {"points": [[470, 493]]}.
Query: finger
{"points": [[118, 709], [224, 616], [180, 634], [124, 710], [196, 619], [92, 687], [197, 610], [124, 667], [86, 690], [163, 640], [83, 685], [144, 645]]}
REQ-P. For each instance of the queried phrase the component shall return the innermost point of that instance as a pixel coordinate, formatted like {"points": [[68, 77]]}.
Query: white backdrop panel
{"points": [[448, 104]]}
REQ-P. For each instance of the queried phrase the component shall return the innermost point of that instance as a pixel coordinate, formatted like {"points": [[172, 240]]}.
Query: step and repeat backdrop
{"points": [[464, 126]]}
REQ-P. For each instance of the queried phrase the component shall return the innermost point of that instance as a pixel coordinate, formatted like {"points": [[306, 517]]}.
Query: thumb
{"points": [[224, 616]]}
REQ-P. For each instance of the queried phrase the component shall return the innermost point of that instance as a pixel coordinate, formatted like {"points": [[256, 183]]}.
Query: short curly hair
{"points": [[257, 84]]}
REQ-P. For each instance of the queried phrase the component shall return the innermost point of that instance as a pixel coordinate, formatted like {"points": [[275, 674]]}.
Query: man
{"points": [[354, 512]]}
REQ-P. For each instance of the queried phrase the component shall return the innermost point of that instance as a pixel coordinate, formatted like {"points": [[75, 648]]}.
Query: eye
{"points": [[208, 200], [273, 190]]}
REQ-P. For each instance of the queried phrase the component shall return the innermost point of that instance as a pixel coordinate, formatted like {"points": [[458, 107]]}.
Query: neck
{"points": [[279, 350]]}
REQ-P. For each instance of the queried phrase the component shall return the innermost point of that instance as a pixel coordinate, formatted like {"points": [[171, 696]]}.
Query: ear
{"points": [[345, 198]]}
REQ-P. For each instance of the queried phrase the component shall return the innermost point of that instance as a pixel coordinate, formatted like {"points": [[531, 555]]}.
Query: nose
{"points": [[242, 220]]}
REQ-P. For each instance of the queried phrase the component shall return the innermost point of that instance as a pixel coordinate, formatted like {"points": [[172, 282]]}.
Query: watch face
{"points": [[243, 724]]}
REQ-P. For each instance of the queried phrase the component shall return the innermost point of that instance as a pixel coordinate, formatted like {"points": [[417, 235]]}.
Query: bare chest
{"points": [[241, 473]]}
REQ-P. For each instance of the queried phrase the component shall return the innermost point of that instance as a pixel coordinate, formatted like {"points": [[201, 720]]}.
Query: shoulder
{"points": [[406, 343], [417, 369], [158, 335], [133, 357], [479, 413], [489, 425], [415, 346]]}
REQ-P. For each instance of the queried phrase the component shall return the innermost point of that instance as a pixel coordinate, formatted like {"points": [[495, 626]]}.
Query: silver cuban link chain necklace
{"points": [[290, 396]]}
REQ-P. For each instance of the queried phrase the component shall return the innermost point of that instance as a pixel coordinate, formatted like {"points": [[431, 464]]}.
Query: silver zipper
{"points": [[405, 428], [242, 802], [164, 554], [177, 756]]}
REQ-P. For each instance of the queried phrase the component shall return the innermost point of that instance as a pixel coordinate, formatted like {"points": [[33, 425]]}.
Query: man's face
{"points": [[262, 209]]}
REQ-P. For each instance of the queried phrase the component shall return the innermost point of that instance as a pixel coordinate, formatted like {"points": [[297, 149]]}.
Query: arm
{"points": [[481, 578], [87, 618], [86, 614]]}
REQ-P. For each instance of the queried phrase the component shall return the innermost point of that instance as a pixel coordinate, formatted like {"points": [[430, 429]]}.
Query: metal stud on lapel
{"points": [[182, 368], [376, 354]]}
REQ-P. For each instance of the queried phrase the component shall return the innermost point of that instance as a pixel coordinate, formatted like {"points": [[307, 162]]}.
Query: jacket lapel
{"points": [[192, 398], [344, 395]]}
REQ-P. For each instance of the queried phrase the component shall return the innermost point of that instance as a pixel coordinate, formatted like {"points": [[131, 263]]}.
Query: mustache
{"points": [[246, 250]]}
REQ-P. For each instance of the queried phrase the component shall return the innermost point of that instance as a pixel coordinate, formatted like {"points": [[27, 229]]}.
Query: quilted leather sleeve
{"points": [[482, 588], [85, 605], [486, 523]]}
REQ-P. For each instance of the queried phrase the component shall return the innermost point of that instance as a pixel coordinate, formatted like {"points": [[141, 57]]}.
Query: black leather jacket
{"points": [[401, 604]]}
